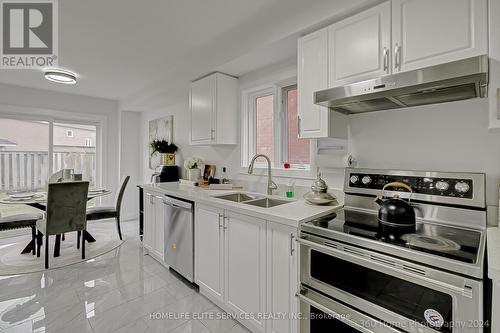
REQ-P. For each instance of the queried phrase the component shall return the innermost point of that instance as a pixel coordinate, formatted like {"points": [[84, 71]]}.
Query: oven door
{"points": [[406, 295], [322, 314]]}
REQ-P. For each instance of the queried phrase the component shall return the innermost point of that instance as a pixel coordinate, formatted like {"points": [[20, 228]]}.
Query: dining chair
{"points": [[65, 212], [19, 221], [106, 212]]}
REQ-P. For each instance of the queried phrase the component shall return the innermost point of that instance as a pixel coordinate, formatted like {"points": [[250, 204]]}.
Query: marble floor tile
{"points": [[121, 291], [218, 321], [138, 326], [238, 328], [116, 317], [192, 326]]}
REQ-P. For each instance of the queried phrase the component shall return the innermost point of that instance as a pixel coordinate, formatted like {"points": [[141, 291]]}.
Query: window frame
{"points": [[248, 130]]}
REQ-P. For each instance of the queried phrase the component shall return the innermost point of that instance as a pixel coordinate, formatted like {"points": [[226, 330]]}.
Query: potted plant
{"points": [[193, 167], [165, 149]]}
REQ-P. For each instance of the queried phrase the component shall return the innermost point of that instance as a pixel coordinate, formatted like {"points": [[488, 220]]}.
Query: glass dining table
{"points": [[38, 200]]}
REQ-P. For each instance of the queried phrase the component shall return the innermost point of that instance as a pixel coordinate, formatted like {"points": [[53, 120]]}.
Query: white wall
{"points": [[228, 155], [38, 102], [442, 137], [219, 155], [130, 161]]}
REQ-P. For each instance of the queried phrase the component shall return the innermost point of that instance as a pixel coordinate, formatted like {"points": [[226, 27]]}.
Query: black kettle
{"points": [[395, 215]]}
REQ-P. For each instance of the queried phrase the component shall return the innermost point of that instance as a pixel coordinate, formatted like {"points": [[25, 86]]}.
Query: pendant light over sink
{"points": [[60, 76]]}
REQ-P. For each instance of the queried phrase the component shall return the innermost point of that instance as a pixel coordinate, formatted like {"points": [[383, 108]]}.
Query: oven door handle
{"points": [[334, 314], [467, 292]]}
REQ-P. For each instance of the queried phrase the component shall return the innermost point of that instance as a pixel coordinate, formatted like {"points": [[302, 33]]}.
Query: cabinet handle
{"points": [[212, 134], [298, 126], [397, 57], [224, 218], [220, 223], [292, 250], [386, 60]]}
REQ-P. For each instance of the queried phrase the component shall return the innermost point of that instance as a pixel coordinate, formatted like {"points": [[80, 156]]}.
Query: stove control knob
{"points": [[442, 185], [366, 180], [462, 187], [354, 179]]}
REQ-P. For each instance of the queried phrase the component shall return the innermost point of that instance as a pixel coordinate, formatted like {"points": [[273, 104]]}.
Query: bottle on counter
{"points": [[223, 176], [290, 189]]}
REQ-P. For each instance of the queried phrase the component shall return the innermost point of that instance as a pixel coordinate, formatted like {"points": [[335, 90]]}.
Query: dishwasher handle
{"points": [[172, 202]]}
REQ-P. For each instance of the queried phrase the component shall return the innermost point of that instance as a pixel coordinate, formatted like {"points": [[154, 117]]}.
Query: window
{"points": [[264, 136], [70, 154], [271, 128], [31, 150], [69, 134]]}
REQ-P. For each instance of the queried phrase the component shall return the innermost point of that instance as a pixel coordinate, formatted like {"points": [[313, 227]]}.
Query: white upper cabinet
{"points": [[315, 121], [431, 32], [312, 76], [213, 103], [359, 46]]}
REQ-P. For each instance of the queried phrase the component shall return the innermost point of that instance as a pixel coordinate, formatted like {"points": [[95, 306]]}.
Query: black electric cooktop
{"points": [[445, 241]]}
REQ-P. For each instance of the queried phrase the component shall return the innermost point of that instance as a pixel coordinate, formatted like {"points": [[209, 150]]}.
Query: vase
{"points": [[193, 174], [167, 159]]}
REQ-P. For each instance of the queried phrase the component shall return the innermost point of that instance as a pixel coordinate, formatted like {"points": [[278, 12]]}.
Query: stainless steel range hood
{"points": [[453, 81]]}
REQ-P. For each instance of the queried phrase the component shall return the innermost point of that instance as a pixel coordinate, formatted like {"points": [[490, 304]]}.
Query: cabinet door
{"points": [[359, 46], [282, 277], [208, 250], [202, 110], [148, 232], [430, 32], [312, 75], [159, 226], [245, 265]]}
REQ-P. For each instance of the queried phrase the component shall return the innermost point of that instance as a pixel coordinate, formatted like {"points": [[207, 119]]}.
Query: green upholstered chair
{"points": [[19, 221], [108, 212], [65, 212]]}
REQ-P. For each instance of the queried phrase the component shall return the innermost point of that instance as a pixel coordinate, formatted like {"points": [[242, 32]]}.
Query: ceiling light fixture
{"points": [[60, 76]]}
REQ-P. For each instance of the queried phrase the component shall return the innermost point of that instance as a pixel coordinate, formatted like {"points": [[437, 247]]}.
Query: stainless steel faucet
{"points": [[270, 184]]}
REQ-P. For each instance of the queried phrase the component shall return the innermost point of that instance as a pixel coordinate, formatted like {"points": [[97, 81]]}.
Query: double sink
{"points": [[252, 199]]}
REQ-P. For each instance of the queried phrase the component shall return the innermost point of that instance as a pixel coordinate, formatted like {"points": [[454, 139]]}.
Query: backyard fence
{"points": [[30, 169]]}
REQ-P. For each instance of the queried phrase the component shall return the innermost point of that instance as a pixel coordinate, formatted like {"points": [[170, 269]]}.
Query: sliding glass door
{"points": [[31, 150], [24, 154], [74, 147]]}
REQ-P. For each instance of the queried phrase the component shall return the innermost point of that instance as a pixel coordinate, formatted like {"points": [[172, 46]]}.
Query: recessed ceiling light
{"points": [[60, 76]]}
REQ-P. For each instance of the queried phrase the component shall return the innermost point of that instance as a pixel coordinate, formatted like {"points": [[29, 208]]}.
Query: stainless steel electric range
{"points": [[353, 279]]}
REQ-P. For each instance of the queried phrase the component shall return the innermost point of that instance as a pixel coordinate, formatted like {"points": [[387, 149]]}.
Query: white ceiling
{"points": [[136, 51]]}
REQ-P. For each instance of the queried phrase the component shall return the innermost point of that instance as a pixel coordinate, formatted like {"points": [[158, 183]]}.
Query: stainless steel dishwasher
{"points": [[179, 236]]}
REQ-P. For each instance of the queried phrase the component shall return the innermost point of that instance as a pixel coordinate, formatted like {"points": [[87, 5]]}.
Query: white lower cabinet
{"points": [[154, 225], [208, 235], [247, 266], [282, 278]]}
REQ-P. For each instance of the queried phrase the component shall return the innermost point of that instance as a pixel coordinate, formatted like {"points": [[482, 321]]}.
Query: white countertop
{"points": [[493, 244], [291, 214]]}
